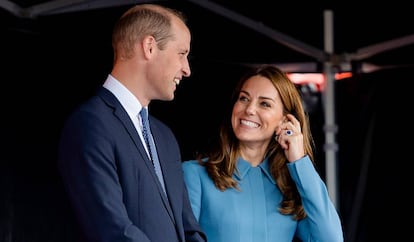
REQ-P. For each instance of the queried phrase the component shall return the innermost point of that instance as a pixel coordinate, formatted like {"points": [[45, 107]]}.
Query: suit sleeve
{"points": [[89, 173]]}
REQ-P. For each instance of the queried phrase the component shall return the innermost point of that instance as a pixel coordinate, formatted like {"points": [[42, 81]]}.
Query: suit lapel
{"points": [[123, 117]]}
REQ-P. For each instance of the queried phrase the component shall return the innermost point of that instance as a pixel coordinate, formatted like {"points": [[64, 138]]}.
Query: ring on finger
{"points": [[289, 132]]}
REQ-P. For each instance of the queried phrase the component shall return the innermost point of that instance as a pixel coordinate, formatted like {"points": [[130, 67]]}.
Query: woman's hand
{"points": [[290, 138]]}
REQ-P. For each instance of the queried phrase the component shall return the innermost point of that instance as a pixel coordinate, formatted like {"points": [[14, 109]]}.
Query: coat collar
{"points": [[244, 167]]}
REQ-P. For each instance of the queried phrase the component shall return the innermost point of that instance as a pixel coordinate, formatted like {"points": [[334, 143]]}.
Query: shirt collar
{"points": [[125, 97]]}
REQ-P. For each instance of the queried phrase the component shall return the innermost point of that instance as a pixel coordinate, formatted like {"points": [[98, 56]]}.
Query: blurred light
{"points": [[316, 80]]}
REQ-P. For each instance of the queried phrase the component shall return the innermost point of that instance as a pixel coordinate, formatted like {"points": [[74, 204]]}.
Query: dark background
{"points": [[53, 62]]}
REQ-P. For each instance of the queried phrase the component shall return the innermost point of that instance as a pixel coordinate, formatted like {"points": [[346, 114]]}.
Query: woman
{"points": [[259, 183]]}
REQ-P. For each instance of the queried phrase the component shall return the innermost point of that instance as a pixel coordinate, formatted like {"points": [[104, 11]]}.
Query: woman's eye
{"points": [[265, 104]]}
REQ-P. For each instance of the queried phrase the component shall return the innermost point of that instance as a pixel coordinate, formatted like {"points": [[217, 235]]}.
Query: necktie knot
{"points": [[146, 129], [144, 116]]}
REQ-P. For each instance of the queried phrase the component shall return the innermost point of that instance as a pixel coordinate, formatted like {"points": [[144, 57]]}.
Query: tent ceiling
{"points": [[250, 32]]}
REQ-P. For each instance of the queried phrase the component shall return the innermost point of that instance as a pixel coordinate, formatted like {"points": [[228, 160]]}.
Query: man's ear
{"points": [[148, 46]]}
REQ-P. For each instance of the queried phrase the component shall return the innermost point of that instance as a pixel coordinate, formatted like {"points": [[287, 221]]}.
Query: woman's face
{"points": [[257, 111]]}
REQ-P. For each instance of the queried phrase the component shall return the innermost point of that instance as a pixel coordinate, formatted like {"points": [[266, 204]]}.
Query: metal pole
{"points": [[329, 107]]}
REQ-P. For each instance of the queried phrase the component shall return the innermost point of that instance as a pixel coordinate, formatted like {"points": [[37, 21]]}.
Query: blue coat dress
{"points": [[251, 215]]}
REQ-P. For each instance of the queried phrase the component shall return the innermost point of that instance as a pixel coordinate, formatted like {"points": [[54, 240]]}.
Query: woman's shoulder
{"points": [[192, 164], [189, 162]]}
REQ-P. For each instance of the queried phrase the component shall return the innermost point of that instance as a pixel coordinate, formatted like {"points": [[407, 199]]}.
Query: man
{"points": [[103, 159]]}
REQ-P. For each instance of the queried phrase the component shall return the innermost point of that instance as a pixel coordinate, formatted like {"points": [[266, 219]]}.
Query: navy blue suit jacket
{"points": [[111, 183]]}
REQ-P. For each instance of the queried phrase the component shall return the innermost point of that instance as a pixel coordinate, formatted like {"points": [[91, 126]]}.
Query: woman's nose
{"points": [[250, 109]]}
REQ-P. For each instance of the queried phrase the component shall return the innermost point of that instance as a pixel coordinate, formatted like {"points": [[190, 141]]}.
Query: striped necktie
{"points": [[149, 140]]}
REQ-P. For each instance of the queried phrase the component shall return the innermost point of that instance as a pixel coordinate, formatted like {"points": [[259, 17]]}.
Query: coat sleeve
{"points": [[192, 181], [322, 222]]}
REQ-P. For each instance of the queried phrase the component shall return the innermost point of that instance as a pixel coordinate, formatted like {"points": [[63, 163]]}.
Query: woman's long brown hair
{"points": [[222, 157]]}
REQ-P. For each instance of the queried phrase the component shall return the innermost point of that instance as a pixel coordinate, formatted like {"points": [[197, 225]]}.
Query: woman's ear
{"points": [[282, 121]]}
